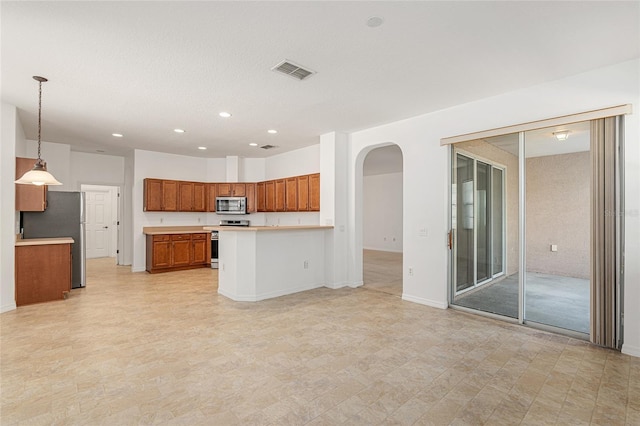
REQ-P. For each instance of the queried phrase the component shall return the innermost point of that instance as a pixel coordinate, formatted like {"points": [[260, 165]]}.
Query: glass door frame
{"points": [[453, 270]]}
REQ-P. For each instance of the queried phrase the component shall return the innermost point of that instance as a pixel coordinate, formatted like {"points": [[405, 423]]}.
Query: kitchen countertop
{"points": [[265, 228], [43, 241], [161, 230]]}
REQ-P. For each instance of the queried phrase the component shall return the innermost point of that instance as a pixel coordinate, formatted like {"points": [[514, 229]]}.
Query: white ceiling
{"points": [[145, 68]]}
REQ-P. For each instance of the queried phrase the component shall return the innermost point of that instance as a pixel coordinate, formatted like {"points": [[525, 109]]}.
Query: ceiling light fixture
{"points": [[562, 135], [273, 132], [224, 114], [39, 174], [117, 135], [178, 130], [253, 144], [202, 147]]}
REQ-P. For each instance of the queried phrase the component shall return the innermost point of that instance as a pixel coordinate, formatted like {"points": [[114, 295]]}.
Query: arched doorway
{"points": [[382, 219]]}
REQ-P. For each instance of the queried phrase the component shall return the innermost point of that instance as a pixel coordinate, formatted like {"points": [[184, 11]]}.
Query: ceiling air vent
{"points": [[293, 70], [268, 146]]}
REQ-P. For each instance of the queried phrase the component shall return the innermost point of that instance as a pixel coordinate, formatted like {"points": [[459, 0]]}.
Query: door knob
{"points": [[105, 227]]}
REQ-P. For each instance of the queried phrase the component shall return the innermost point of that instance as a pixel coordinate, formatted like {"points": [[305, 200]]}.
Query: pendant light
{"points": [[39, 174]]}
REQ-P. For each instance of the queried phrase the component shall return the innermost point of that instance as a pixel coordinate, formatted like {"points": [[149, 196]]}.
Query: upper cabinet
{"points": [[250, 189], [302, 191], [212, 193], [170, 195], [314, 192], [160, 195], [192, 197], [29, 198], [231, 190], [293, 194]]}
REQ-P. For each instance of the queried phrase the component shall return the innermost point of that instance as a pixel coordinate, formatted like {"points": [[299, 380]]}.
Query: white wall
{"points": [[382, 206], [10, 135], [426, 171], [94, 169], [293, 163]]}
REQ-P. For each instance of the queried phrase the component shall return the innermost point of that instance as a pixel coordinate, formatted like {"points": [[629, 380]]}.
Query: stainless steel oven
{"points": [[214, 249]]}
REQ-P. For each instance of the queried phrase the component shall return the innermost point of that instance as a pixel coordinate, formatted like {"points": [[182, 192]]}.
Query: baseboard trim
{"points": [[342, 284], [138, 269], [8, 307], [382, 249], [631, 350], [265, 296], [422, 301]]}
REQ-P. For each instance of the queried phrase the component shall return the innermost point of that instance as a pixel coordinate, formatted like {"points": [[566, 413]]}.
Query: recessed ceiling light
{"points": [[273, 132], [562, 135], [253, 144], [224, 114], [117, 135], [374, 21], [178, 130], [202, 147]]}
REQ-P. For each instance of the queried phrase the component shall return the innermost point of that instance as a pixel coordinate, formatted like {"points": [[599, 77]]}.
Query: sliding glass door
{"points": [[479, 226], [520, 226]]}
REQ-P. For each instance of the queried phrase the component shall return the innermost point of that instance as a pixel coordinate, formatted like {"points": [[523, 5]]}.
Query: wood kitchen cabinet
{"points": [[250, 191], [174, 252], [212, 193], [314, 192], [169, 196], [192, 197], [200, 249], [302, 188], [270, 196], [29, 198], [261, 197], [180, 250], [43, 273], [159, 251], [280, 189], [291, 194], [231, 190], [160, 195]]}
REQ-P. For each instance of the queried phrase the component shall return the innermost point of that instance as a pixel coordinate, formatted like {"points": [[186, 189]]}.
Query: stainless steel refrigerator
{"points": [[63, 217]]}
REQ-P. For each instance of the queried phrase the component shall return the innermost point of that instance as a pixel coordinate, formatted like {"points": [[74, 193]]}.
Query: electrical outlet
{"points": [[410, 272], [198, 220], [306, 264], [161, 219]]}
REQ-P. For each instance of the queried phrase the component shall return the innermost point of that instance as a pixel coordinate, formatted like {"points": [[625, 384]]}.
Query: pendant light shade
{"points": [[39, 174]]}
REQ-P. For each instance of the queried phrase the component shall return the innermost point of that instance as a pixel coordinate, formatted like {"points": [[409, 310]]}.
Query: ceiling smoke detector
{"points": [[268, 146], [293, 70]]}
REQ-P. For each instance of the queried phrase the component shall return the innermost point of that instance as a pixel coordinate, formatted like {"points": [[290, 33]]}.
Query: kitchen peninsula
{"points": [[262, 262], [43, 269]]}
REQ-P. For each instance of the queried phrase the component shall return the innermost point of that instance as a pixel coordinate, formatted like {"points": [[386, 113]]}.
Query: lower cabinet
{"points": [[43, 273], [173, 252]]}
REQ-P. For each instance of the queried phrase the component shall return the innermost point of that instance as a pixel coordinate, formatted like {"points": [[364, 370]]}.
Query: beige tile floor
{"points": [[167, 349], [382, 271]]}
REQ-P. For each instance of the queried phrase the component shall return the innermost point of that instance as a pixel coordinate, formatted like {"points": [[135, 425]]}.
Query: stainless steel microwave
{"points": [[231, 205]]}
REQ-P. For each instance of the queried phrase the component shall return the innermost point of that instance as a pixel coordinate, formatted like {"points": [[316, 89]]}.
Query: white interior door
{"points": [[98, 223]]}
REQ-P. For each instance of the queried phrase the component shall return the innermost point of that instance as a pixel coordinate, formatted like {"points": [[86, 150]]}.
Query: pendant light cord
{"points": [[39, 118]]}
